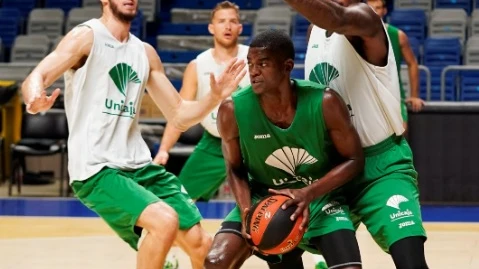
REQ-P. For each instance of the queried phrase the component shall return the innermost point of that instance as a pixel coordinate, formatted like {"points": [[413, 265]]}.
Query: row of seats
{"points": [[149, 7], [429, 5], [51, 22]]}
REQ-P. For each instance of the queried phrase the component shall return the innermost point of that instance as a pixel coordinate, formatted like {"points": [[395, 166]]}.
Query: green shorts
{"points": [[205, 170], [404, 111], [327, 214], [386, 196], [119, 197]]}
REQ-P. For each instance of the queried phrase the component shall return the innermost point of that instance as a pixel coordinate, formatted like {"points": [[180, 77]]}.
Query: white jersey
{"points": [[206, 64], [102, 100], [371, 92]]}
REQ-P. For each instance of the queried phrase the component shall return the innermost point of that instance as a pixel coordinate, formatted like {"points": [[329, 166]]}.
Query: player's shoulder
{"points": [[243, 92], [308, 85]]}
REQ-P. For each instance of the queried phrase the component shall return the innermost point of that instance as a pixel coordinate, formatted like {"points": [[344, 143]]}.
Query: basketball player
{"points": [[349, 50], [294, 137], [107, 70], [205, 169], [402, 49]]}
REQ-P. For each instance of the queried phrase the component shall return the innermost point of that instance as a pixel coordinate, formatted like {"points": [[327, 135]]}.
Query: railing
{"points": [[450, 68], [428, 79]]}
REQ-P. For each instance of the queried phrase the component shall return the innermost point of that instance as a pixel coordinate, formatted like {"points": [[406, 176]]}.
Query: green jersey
{"points": [[393, 34], [284, 158]]}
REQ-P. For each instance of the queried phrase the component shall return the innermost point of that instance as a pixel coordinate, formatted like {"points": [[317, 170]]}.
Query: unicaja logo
{"points": [[121, 74], [395, 200], [288, 159]]}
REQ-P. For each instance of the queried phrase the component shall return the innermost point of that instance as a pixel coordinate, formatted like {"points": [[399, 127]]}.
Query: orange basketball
{"points": [[271, 228]]}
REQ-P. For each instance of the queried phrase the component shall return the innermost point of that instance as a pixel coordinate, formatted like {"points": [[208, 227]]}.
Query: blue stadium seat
{"points": [[209, 4], [442, 51], [464, 4], [9, 27], [412, 21], [65, 5], [25, 6], [177, 84], [469, 86], [297, 73], [137, 25], [300, 47], [177, 56], [300, 25], [192, 29]]}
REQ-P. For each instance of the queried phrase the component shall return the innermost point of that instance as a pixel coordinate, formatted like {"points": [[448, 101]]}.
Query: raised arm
{"points": [[355, 20], [236, 172], [413, 71], [182, 113], [171, 135], [71, 52]]}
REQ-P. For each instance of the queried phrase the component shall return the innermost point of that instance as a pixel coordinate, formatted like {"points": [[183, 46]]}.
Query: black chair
{"points": [[43, 134], [6, 94]]}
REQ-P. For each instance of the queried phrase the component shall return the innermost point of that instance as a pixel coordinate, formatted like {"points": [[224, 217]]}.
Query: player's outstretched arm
{"points": [[182, 113], [413, 71], [70, 52], [171, 135], [236, 172], [354, 20]]}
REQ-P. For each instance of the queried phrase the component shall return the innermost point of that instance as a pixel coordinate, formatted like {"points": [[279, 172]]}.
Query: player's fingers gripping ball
{"points": [[271, 228]]}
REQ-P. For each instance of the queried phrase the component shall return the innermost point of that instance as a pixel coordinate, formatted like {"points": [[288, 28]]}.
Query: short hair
{"points": [[224, 5], [276, 41]]}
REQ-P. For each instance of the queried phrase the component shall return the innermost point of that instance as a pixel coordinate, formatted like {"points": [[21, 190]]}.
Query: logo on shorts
{"points": [[332, 208], [395, 202]]}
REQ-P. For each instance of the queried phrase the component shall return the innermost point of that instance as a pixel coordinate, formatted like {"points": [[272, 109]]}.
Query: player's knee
{"points": [[159, 218], [217, 258], [201, 244]]}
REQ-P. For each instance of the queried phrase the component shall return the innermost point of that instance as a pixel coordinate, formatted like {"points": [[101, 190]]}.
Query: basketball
{"points": [[271, 228]]}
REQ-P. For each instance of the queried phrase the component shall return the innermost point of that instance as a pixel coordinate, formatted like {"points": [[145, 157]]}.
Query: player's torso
{"points": [[102, 101], [333, 61], [284, 158], [206, 64]]}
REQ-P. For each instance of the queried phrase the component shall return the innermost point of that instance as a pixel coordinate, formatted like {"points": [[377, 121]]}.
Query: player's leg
{"points": [[191, 237], [331, 232], [125, 205], [389, 204], [293, 259], [205, 170], [229, 249]]}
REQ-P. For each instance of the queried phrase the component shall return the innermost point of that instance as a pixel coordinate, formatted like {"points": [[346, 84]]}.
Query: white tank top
{"points": [[102, 100], [206, 64], [371, 92]]}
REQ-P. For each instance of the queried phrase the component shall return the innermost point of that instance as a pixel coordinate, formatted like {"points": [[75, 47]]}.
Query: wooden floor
{"points": [[80, 243]]}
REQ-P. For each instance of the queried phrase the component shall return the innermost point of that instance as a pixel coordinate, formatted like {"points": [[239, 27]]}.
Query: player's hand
{"points": [[42, 102], [161, 157], [247, 236], [416, 103], [301, 198], [228, 81]]}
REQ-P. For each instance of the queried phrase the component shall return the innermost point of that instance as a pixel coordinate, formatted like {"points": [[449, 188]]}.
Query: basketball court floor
{"points": [[38, 233]]}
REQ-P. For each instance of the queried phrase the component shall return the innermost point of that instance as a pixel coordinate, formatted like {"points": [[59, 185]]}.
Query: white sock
{"points": [[318, 258]]}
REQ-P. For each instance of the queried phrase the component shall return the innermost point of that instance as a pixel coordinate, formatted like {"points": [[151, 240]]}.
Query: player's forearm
{"points": [[413, 71], [239, 186], [190, 113], [170, 137], [32, 87], [322, 13], [337, 177]]}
